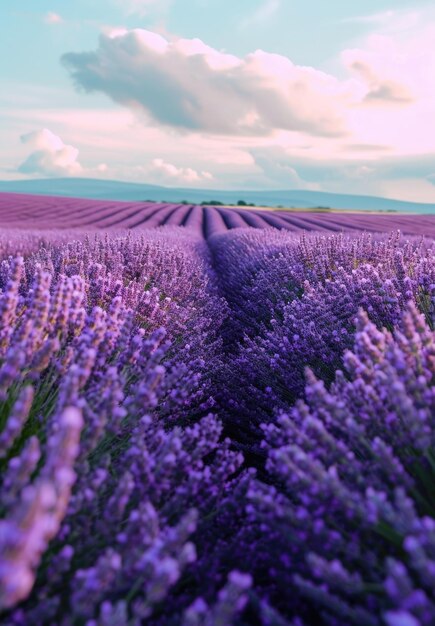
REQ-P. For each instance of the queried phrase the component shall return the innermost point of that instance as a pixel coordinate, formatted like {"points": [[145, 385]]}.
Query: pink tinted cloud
{"points": [[53, 18], [403, 59], [379, 88], [396, 75]]}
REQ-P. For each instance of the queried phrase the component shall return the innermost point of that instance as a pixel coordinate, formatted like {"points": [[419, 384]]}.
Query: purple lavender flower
{"points": [[135, 368], [350, 513]]}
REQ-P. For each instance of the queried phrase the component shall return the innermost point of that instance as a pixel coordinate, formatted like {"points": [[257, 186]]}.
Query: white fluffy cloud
{"points": [[191, 86], [162, 171], [50, 156], [386, 98]]}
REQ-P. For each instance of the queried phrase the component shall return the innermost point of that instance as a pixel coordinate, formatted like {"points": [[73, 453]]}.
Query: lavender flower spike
{"points": [[25, 534]]}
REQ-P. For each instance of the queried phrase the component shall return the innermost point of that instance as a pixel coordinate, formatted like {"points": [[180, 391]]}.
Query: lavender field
{"points": [[215, 417], [18, 210]]}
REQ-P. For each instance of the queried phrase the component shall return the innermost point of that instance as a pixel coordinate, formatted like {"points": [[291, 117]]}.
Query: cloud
{"points": [[363, 147], [379, 89], [341, 174], [53, 18], [280, 168], [389, 91], [396, 62], [50, 156], [193, 87], [277, 165], [163, 171]]}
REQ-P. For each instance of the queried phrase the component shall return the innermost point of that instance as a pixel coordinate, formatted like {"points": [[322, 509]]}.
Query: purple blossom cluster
{"points": [[293, 304], [348, 517], [232, 431]]}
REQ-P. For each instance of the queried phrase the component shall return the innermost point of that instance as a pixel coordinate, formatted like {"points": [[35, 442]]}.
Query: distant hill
{"points": [[117, 190]]}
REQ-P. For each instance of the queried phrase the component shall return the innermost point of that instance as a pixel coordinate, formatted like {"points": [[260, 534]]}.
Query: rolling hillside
{"points": [[133, 192]]}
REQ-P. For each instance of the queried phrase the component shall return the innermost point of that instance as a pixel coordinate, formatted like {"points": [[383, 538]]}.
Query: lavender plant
{"points": [[124, 500]]}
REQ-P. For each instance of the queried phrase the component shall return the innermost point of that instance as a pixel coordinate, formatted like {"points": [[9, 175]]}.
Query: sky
{"points": [[333, 96]]}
